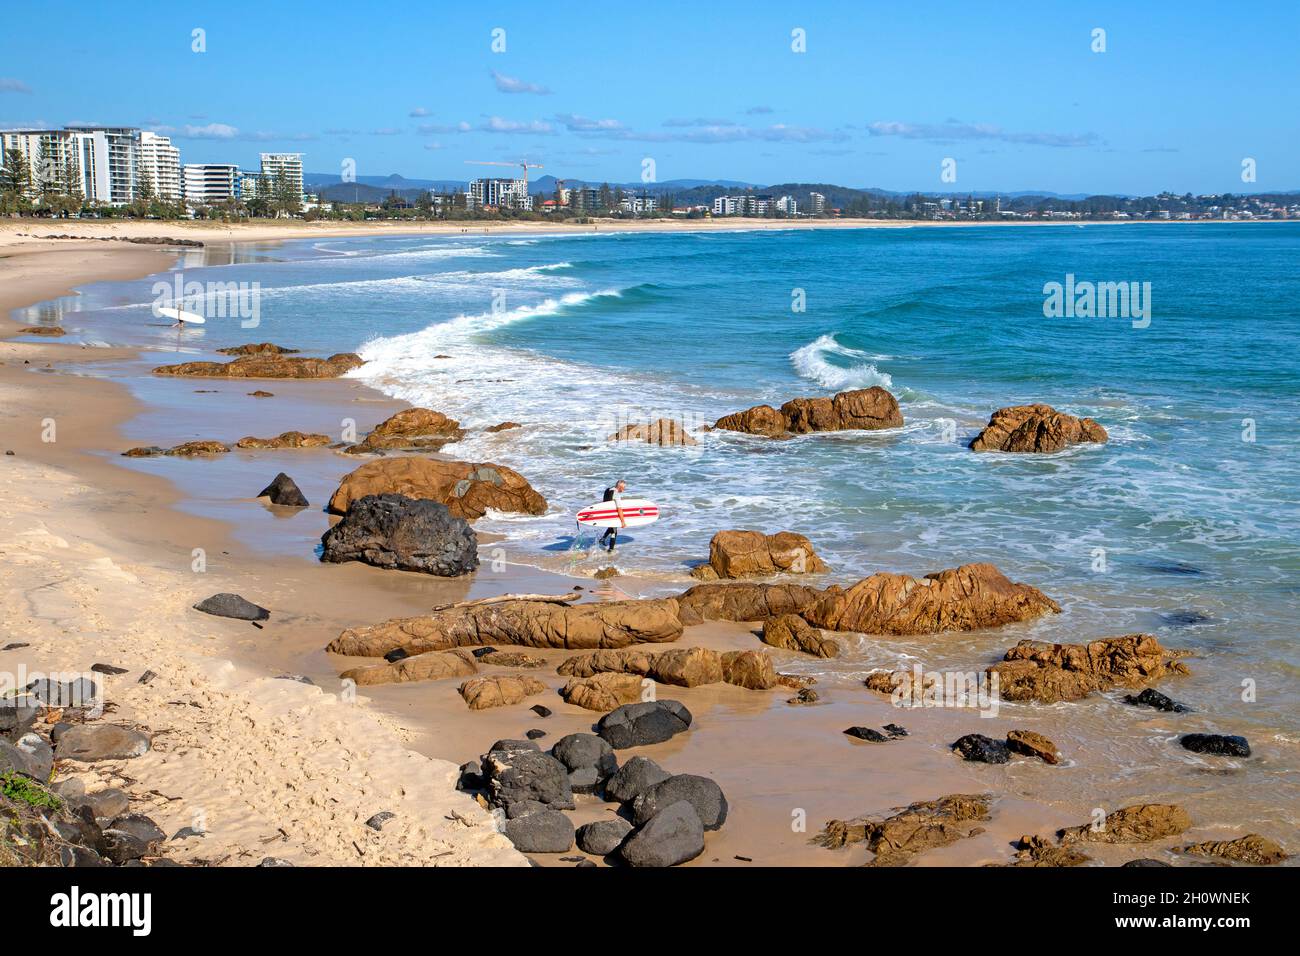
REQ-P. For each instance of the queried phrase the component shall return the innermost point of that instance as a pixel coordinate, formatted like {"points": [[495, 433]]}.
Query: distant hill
{"points": [[546, 184]]}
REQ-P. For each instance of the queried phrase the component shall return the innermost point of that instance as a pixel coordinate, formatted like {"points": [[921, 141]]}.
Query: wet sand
{"points": [[786, 770]]}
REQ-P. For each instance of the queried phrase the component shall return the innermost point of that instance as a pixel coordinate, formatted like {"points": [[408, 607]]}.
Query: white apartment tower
{"points": [[816, 203], [287, 164], [160, 165], [210, 183], [511, 193]]}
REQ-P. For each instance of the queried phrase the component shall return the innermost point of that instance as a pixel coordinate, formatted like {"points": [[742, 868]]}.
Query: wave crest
{"points": [[814, 361]]}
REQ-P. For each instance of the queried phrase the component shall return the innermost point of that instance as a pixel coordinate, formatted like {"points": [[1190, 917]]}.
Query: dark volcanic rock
{"points": [[635, 776], [674, 835], [866, 733], [1217, 745], [232, 605], [1185, 619], [1153, 698], [542, 831], [409, 534], [518, 775], [603, 836], [132, 836], [1145, 861], [649, 722], [471, 776], [284, 491], [17, 716], [703, 794], [981, 749], [576, 751], [90, 742]]}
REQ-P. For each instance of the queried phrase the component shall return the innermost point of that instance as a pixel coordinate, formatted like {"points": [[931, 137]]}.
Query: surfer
{"points": [[614, 493]]}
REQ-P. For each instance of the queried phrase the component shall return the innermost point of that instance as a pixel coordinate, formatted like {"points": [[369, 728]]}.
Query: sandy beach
{"points": [[255, 741]]}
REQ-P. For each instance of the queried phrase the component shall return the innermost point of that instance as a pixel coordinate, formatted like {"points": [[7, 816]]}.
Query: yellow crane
{"points": [[526, 166]]}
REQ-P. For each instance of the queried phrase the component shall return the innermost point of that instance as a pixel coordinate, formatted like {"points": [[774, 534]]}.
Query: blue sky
{"points": [[883, 93]]}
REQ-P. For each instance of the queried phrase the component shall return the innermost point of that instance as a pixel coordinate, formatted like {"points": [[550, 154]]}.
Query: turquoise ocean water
{"points": [[1187, 524]]}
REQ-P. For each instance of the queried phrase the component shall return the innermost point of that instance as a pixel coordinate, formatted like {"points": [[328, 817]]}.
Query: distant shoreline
{"points": [[18, 232]]}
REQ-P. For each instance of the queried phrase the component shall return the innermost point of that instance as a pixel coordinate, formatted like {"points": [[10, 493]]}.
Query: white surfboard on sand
{"points": [[180, 315], [636, 512]]}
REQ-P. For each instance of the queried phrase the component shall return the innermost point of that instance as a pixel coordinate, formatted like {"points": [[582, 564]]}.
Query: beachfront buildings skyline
{"points": [[103, 164], [118, 165]]}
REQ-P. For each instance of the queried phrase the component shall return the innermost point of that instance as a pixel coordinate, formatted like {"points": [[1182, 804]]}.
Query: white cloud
{"points": [[10, 85], [509, 84], [496, 124], [211, 131], [956, 130], [418, 111]]}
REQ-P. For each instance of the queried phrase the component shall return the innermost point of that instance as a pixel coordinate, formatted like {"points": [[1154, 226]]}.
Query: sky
{"points": [[1018, 96]]}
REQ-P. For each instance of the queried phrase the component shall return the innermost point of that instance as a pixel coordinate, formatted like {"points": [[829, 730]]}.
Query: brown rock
{"points": [[686, 667], [967, 598], [795, 681], [484, 692], [663, 432], [749, 669], [268, 365], [503, 426], [260, 393], [191, 448], [512, 659], [257, 348], [864, 408], [604, 573], [1047, 673], [744, 601], [468, 490], [604, 624], [682, 667], [629, 660], [738, 554], [1033, 745], [1139, 823], [603, 692], [793, 633], [285, 440], [921, 826], [435, 665], [884, 682], [411, 429], [42, 330], [1035, 428], [1252, 848], [1037, 851], [759, 420]]}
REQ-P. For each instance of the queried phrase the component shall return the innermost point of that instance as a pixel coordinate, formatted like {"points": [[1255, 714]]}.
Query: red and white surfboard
{"points": [[603, 514]]}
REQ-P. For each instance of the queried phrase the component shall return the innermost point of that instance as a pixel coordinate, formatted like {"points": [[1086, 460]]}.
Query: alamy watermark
{"points": [[210, 300], [1099, 300], [974, 690]]}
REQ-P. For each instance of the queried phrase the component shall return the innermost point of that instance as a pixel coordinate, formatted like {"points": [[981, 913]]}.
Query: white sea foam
{"points": [[811, 362]]}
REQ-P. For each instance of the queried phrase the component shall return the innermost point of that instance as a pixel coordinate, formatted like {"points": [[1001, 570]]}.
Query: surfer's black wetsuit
{"points": [[611, 532]]}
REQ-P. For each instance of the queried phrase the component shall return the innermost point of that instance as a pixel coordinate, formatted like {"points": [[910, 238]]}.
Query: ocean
{"points": [[1186, 524]]}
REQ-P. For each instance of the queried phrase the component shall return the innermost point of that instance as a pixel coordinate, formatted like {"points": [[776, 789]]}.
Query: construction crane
{"points": [[526, 165]]}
